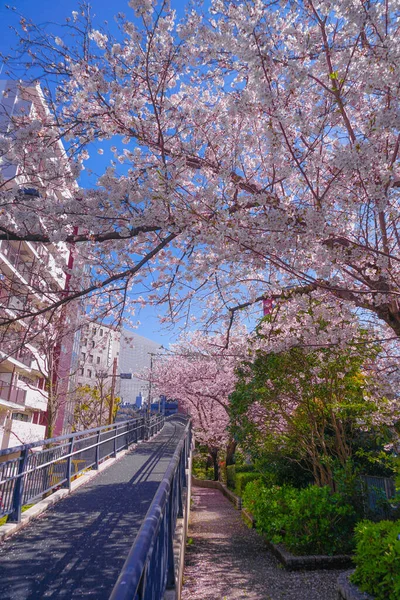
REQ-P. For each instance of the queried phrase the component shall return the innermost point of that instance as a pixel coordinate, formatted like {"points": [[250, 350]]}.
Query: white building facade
{"points": [[99, 349], [29, 274], [137, 353]]}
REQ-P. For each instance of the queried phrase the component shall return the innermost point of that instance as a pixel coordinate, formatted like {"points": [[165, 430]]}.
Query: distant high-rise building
{"points": [[135, 355]]}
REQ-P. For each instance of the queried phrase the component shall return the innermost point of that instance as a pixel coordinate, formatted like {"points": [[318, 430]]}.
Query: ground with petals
{"points": [[227, 561]]}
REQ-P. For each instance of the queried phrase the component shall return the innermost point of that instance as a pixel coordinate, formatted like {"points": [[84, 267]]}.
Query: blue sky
{"points": [[50, 11]]}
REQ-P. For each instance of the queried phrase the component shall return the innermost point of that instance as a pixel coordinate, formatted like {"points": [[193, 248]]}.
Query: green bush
{"points": [[319, 522], [244, 468], [377, 559], [270, 507], [282, 470], [307, 521], [242, 479]]}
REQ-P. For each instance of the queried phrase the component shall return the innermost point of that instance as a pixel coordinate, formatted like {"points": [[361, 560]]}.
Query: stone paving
{"points": [[77, 548], [227, 561]]}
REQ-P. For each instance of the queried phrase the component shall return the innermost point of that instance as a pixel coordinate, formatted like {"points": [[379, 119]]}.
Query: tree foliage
{"points": [[92, 406], [254, 148], [307, 404]]}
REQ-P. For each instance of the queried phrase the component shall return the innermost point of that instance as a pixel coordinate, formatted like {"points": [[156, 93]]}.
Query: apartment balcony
{"points": [[11, 395], [37, 269], [35, 399], [22, 358], [25, 433]]}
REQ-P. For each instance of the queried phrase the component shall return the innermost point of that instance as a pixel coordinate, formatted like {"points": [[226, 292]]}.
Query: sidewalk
{"points": [[77, 548], [227, 561]]}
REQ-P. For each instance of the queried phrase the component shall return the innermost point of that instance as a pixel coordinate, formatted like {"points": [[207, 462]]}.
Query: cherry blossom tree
{"points": [[254, 153], [200, 373], [308, 403]]}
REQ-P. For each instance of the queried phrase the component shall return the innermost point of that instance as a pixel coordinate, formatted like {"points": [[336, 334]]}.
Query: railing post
{"points": [[15, 516], [115, 442], [97, 461], [67, 484], [170, 542], [179, 478]]}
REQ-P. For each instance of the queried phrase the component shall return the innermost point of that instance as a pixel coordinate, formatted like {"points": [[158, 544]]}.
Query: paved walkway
{"points": [[226, 561], [77, 548]]}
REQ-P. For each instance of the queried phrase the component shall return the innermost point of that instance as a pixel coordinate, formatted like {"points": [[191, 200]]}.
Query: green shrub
{"points": [[270, 507], [307, 521], [231, 476], [377, 559], [282, 470], [319, 522], [244, 468], [242, 479]]}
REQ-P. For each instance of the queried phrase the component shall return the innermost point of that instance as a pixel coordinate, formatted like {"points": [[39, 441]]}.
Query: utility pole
{"points": [[112, 393], [149, 395]]}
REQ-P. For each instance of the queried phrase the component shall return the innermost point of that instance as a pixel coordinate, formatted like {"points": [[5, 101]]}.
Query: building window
{"points": [[84, 342], [36, 418], [83, 355], [81, 371], [91, 358], [20, 417], [94, 331], [92, 344], [98, 360], [101, 332], [89, 373]]}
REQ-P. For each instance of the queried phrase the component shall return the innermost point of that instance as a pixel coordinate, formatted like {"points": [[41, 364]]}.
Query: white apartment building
{"points": [[29, 273], [99, 347], [136, 354]]}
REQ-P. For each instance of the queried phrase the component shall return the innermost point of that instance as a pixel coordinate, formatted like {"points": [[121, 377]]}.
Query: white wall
{"points": [[135, 355]]}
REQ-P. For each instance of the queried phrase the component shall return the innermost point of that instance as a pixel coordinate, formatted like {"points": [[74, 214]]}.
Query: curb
{"points": [[248, 519], [310, 562], [349, 591]]}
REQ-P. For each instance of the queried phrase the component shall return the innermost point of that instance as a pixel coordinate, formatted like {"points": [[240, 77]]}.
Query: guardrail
{"points": [[149, 569], [41, 467]]}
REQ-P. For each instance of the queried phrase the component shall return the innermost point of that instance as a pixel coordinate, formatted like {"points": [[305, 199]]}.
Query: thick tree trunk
{"points": [[214, 456], [230, 452]]}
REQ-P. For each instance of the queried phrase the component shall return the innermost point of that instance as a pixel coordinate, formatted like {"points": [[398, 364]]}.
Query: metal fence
{"points": [[377, 493], [33, 470], [149, 569]]}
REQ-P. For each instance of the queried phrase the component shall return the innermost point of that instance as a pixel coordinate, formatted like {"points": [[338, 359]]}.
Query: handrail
{"points": [[149, 568], [67, 436], [30, 475]]}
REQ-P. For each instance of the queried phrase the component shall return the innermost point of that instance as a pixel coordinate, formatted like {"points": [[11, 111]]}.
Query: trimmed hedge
{"points": [[242, 479], [245, 468], [238, 476], [307, 521], [377, 559]]}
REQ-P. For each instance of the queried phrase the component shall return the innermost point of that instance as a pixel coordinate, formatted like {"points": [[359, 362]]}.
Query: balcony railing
{"points": [[11, 393], [22, 355]]}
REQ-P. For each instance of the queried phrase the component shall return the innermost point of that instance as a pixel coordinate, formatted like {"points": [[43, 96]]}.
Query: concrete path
{"points": [[226, 561], [77, 548]]}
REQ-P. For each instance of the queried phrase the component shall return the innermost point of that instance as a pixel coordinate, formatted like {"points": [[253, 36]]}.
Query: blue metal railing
{"points": [[149, 569], [41, 467]]}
